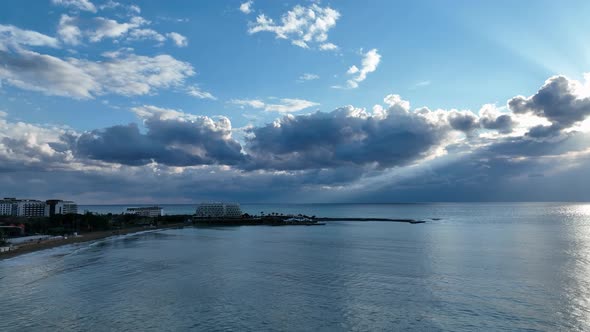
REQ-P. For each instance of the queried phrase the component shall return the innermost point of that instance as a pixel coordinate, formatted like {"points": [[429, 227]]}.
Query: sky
{"points": [[105, 101]]}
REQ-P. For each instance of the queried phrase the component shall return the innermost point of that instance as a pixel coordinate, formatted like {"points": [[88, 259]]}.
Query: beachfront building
{"points": [[58, 206], [8, 206], [145, 211], [219, 210], [31, 208]]}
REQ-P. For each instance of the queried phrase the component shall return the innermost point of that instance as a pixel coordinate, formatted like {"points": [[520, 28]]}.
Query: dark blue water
{"points": [[494, 267]]}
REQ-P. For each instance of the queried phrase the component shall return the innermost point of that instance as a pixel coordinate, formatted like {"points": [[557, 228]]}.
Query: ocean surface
{"points": [[481, 267]]}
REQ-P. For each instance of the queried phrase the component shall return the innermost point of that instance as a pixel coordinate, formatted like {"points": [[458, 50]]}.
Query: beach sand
{"points": [[85, 237]]}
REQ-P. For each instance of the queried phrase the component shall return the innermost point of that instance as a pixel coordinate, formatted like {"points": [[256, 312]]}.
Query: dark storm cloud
{"points": [[559, 101], [344, 137]]}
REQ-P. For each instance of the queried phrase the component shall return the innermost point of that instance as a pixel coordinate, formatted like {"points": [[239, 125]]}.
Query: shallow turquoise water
{"points": [[482, 267]]}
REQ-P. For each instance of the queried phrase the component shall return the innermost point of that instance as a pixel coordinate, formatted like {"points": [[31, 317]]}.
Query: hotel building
{"points": [[219, 210]]}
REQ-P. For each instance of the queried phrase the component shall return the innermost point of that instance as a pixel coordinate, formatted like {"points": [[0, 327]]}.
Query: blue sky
{"points": [[73, 72]]}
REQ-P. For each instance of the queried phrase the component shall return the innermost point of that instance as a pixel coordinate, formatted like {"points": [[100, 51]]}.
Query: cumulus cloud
{"points": [[463, 120], [346, 137], [302, 25], [172, 138], [84, 5], [285, 105], [246, 7], [25, 145], [119, 73], [393, 150], [369, 63], [491, 118], [562, 101]]}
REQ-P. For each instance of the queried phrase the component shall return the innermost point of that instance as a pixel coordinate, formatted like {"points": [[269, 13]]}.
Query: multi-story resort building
{"points": [[35, 208], [31, 208], [219, 210], [8, 207], [57, 206], [146, 211]]}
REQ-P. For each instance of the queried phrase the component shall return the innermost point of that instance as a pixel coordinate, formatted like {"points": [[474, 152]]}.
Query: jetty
{"points": [[290, 221], [409, 221]]}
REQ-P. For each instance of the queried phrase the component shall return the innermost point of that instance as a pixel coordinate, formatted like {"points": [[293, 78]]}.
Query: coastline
{"points": [[85, 237], [93, 236]]}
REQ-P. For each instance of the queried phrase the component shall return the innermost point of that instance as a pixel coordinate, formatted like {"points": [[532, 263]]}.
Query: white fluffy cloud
{"points": [[83, 5], [285, 105], [246, 7], [369, 64], [302, 25], [371, 60]]}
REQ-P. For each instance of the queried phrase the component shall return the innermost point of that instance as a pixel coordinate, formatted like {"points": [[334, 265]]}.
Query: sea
{"points": [[470, 267]]}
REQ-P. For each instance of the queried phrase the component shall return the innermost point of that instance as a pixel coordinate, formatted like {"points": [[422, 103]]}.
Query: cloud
{"points": [[308, 77], [491, 118], [463, 120], [369, 63], [83, 5], [562, 101], [68, 31], [328, 47], [178, 39], [421, 84], [173, 138], [118, 73], [302, 25], [246, 7], [348, 154], [146, 34], [285, 105], [132, 9], [73, 29], [195, 91], [13, 37], [346, 137]]}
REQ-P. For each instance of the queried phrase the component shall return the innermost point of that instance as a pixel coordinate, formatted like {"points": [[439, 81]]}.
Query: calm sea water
{"points": [[493, 267]]}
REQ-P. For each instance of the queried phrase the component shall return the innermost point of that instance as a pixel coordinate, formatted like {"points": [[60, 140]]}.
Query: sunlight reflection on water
{"points": [[483, 267]]}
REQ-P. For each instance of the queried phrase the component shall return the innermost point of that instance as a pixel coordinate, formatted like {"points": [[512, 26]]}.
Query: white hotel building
{"points": [[35, 208], [219, 210], [146, 211]]}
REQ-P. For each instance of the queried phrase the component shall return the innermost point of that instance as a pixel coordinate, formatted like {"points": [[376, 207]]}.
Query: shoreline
{"points": [[85, 237], [93, 236]]}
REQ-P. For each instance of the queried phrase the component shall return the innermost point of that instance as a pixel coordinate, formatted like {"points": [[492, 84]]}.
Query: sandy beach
{"points": [[85, 237]]}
